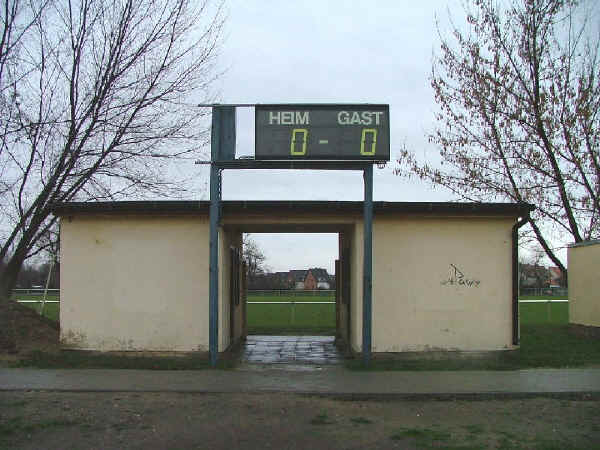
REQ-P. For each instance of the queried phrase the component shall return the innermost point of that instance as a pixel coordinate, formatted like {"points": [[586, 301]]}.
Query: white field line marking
{"points": [[544, 301], [291, 303], [38, 301]]}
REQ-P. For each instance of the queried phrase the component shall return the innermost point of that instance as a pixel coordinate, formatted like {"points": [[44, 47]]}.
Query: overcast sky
{"points": [[327, 52]]}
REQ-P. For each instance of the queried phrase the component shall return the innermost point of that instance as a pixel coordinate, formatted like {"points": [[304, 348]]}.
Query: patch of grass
{"points": [[120, 426], [545, 342], [51, 310], [506, 443], [291, 319], [292, 296], [554, 346], [541, 346], [424, 437], [321, 419], [543, 297], [91, 360], [448, 363], [542, 313], [17, 425], [13, 404], [361, 420], [474, 429]]}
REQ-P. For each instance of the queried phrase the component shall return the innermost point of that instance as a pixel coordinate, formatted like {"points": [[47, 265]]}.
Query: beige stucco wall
{"points": [[356, 291], [415, 308], [584, 284], [141, 282], [134, 283]]}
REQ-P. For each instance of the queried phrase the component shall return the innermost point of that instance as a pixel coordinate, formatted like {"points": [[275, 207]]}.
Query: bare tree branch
{"points": [[98, 95], [518, 96]]}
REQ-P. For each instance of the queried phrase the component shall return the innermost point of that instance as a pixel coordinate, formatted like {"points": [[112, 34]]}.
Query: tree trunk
{"points": [[8, 330], [10, 274], [8, 280]]}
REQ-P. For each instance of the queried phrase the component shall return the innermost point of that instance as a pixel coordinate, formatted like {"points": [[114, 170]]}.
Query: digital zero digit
{"points": [[373, 133], [304, 133]]}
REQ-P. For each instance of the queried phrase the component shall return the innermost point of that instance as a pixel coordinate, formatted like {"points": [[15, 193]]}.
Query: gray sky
{"points": [[327, 52]]}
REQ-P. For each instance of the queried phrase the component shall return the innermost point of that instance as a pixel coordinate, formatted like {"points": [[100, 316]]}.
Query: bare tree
{"points": [[254, 257], [519, 102], [532, 268], [97, 97]]}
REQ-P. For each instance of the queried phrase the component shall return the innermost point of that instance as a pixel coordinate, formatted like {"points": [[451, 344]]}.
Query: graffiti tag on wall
{"points": [[457, 278]]}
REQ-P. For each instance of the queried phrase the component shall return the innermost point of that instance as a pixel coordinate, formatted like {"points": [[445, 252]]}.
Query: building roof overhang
{"points": [[262, 206]]}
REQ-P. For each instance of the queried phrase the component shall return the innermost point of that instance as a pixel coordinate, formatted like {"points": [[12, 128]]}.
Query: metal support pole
{"points": [[43, 306], [367, 264], [215, 204], [215, 197], [515, 278]]}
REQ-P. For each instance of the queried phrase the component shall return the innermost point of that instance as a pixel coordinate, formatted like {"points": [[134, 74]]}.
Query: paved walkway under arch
{"points": [[290, 350]]}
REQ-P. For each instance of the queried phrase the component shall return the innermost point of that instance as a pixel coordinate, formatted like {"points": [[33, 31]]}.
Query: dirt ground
{"points": [[33, 333], [51, 420]]}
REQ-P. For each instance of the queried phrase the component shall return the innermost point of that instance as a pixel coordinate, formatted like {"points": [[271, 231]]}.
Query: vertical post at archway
{"points": [[367, 264], [215, 203]]}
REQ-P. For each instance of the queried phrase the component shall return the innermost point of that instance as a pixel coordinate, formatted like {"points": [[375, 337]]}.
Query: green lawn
{"points": [[265, 319], [545, 342], [51, 310], [543, 297], [544, 313], [291, 319], [277, 318], [545, 338], [100, 360]]}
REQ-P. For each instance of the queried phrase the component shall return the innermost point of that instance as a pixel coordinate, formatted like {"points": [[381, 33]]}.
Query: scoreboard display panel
{"points": [[322, 132]]}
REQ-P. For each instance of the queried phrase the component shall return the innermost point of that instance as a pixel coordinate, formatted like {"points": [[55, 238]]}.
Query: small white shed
{"points": [[584, 283]]}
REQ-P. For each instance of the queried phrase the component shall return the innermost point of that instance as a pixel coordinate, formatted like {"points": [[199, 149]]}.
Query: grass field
{"points": [[543, 297], [544, 313], [545, 338], [266, 319], [51, 310], [291, 319], [320, 318]]}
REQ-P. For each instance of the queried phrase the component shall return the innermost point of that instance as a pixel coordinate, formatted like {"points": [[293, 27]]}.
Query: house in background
{"points": [[537, 276], [296, 279], [533, 276], [304, 279], [317, 278], [281, 280], [556, 278]]}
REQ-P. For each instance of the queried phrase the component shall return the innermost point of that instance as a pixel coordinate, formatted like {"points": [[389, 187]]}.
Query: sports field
{"points": [[305, 316], [51, 310], [546, 340], [271, 316]]}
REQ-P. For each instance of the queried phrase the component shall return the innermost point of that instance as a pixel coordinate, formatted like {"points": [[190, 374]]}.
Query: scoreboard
{"points": [[322, 132]]}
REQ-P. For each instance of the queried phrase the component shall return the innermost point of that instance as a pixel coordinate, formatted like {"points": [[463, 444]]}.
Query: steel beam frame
{"points": [[218, 140], [367, 264]]}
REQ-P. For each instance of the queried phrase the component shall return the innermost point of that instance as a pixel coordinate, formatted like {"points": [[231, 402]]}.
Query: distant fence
{"points": [[548, 291], [290, 293], [541, 292], [40, 295], [35, 291]]}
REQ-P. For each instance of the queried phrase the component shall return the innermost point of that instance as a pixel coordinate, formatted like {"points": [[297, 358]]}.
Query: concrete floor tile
{"points": [[308, 350]]}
